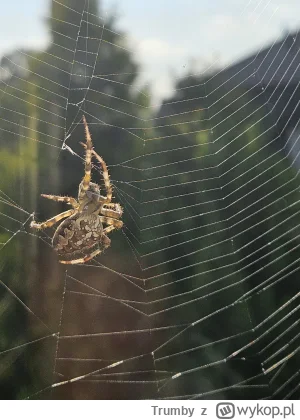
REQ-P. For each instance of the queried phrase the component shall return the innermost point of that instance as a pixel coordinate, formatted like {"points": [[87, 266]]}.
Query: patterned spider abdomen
{"points": [[79, 235]]}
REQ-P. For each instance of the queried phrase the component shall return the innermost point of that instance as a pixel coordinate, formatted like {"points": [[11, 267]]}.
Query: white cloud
{"points": [[156, 47], [18, 43]]}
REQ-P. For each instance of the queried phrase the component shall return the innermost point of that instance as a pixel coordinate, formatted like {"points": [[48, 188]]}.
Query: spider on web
{"points": [[82, 233]]}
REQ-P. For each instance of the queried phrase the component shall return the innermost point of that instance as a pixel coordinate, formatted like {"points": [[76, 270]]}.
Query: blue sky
{"points": [[169, 37]]}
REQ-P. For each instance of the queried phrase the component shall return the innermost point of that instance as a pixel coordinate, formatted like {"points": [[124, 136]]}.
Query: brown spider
{"points": [[82, 233]]}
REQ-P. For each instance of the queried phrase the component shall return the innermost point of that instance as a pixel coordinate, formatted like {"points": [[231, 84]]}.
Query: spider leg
{"points": [[105, 174], [50, 222], [111, 205], [111, 222], [114, 210], [69, 200], [85, 183], [83, 259]]}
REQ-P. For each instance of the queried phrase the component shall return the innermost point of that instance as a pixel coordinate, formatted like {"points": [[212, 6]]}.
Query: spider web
{"points": [[198, 295]]}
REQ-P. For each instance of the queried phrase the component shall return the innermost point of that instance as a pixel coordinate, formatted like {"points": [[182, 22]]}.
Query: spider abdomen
{"points": [[79, 235]]}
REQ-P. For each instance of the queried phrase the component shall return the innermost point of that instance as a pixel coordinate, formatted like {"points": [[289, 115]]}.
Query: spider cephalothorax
{"points": [[82, 236]]}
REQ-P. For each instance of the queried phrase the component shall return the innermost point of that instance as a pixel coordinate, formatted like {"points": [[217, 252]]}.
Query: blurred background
{"points": [[195, 109]]}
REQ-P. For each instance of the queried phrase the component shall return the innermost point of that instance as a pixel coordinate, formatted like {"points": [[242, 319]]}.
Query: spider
{"points": [[82, 233]]}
